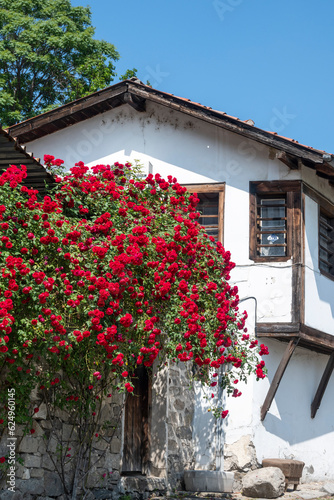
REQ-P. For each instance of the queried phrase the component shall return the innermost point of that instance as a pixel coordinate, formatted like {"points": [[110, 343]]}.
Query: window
{"points": [[275, 231], [271, 226], [326, 243], [211, 207]]}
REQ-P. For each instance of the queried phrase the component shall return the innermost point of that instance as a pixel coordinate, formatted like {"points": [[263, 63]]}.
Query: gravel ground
{"points": [[309, 491]]}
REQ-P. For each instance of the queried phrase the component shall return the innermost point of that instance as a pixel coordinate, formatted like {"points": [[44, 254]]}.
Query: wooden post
{"points": [[278, 376], [322, 386]]}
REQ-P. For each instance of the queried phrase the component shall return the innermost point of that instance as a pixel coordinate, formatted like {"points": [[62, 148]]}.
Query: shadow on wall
{"points": [[291, 419]]}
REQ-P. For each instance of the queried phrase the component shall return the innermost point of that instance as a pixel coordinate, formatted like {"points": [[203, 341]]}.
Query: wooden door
{"points": [[136, 425]]}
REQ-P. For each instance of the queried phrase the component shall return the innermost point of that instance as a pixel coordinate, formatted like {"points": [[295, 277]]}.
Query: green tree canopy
{"points": [[48, 57]]}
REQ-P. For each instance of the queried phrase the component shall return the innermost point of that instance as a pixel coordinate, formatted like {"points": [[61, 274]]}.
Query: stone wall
{"points": [[37, 454], [180, 450], [181, 437]]}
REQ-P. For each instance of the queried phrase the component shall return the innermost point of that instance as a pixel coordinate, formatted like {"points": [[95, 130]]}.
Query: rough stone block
{"points": [[100, 444], [26, 474], [328, 488], [42, 414], [31, 460], [240, 455], [34, 486], [19, 470], [41, 445], [8, 495], [47, 462], [61, 414], [52, 445], [311, 495], [39, 432], [102, 494], [45, 424], [52, 484], [95, 479], [174, 464], [179, 405], [184, 433], [268, 482], [19, 430], [117, 398], [208, 480], [69, 433], [28, 444], [188, 417], [106, 414], [174, 419], [111, 460], [172, 445], [37, 472], [116, 445]]}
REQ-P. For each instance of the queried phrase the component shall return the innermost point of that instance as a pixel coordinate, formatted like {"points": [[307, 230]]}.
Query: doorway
{"points": [[136, 447]]}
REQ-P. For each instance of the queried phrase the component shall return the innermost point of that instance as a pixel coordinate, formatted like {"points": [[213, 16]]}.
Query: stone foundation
{"points": [[182, 437]]}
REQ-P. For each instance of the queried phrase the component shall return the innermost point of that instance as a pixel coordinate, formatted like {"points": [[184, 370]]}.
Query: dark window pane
{"points": [[326, 243], [272, 227], [208, 207]]}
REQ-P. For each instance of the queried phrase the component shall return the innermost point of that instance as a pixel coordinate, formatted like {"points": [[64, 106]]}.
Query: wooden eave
{"points": [[12, 153], [135, 93], [74, 112]]}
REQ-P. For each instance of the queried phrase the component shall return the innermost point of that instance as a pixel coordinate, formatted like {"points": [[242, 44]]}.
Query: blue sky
{"points": [[272, 61]]}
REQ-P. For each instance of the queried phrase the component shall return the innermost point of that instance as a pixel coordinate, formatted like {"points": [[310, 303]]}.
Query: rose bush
{"points": [[108, 272]]}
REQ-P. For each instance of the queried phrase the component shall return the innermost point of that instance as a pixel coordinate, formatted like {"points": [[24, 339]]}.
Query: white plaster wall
{"points": [[194, 152], [319, 290], [288, 430], [205, 438]]}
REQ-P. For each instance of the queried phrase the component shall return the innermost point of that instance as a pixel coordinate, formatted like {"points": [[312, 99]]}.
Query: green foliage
{"points": [[48, 57], [130, 73]]}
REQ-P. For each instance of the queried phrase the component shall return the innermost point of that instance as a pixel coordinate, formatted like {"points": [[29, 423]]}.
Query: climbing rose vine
{"points": [[109, 272]]}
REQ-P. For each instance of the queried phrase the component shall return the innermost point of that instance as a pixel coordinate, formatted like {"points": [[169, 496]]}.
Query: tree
{"points": [[110, 273], [48, 57], [132, 73]]}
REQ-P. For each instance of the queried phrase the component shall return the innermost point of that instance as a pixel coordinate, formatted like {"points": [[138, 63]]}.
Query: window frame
{"points": [[291, 191], [326, 211], [216, 187]]}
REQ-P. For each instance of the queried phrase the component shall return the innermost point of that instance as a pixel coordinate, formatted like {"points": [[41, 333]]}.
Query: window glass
{"points": [[326, 243], [208, 207], [272, 227]]}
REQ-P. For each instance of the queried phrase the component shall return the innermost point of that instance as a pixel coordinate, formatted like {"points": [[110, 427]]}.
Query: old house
{"points": [[271, 201]]}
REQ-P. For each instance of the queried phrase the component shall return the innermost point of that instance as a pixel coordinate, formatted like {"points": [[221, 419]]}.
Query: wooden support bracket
{"points": [[135, 102], [322, 386], [278, 376], [289, 160]]}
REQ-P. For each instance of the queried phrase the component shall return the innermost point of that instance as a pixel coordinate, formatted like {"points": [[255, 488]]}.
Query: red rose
{"points": [[126, 320]]}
